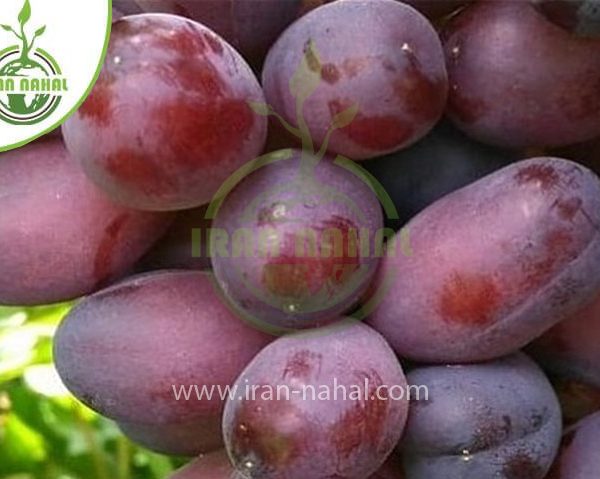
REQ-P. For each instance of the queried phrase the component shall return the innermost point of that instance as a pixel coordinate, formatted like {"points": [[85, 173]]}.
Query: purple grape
{"points": [[288, 248], [499, 419], [298, 436], [517, 80], [168, 120], [579, 457], [60, 236], [379, 56], [495, 264], [127, 351]]}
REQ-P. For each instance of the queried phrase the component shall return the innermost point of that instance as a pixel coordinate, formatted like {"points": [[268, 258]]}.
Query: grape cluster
{"points": [[429, 167]]}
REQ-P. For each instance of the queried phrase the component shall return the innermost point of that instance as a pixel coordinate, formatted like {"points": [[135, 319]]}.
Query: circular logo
{"points": [[31, 86], [51, 54]]}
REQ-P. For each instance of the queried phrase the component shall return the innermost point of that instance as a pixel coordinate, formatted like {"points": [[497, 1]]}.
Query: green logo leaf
{"points": [[40, 31], [25, 13], [307, 77], [260, 108], [344, 118], [8, 28]]}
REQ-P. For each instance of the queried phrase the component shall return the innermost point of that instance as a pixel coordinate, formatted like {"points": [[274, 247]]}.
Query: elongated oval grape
{"points": [[579, 457], [517, 80], [571, 349], [323, 406], [495, 264], [251, 26], [497, 419], [212, 466], [60, 236], [373, 68], [294, 248], [156, 350], [168, 120]]}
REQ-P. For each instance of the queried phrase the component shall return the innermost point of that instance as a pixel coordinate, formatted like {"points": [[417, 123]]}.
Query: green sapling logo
{"points": [[31, 81]]}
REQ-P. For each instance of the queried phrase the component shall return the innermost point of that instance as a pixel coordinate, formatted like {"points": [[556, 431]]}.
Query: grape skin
{"points": [[517, 80], [497, 419], [310, 437], [122, 350], [60, 236], [393, 70], [494, 264], [285, 287], [168, 120]]}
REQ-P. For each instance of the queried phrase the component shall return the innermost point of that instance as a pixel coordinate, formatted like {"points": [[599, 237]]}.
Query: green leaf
{"points": [[307, 77], [344, 118], [8, 28], [260, 108], [40, 31], [25, 13]]}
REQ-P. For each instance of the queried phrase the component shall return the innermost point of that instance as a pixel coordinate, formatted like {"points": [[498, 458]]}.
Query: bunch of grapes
{"points": [[266, 197]]}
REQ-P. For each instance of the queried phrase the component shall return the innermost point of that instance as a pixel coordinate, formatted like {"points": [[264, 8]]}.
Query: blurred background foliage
{"points": [[44, 432]]}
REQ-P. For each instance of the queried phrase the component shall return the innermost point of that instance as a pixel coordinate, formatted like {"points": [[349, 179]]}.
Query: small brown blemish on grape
{"points": [[522, 466], [107, 248], [469, 299], [98, 105], [272, 433], [381, 132], [302, 364], [363, 424], [544, 175], [568, 208], [491, 432], [330, 73], [353, 66]]}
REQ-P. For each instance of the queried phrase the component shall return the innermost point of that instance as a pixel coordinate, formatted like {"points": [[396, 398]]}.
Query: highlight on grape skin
{"points": [[495, 419], [304, 435], [175, 316], [392, 71], [295, 249], [495, 264], [168, 120], [60, 236]]}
